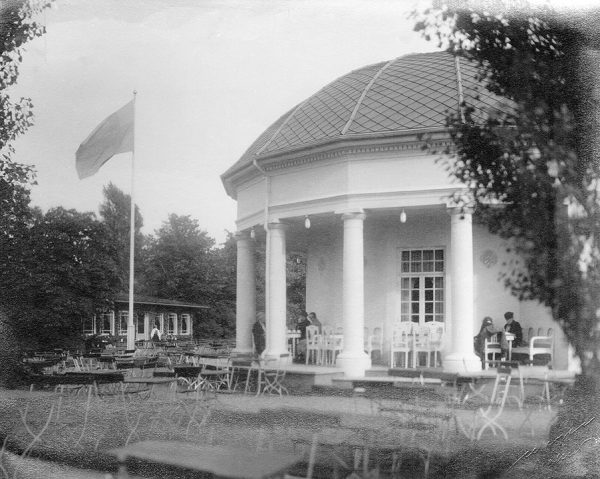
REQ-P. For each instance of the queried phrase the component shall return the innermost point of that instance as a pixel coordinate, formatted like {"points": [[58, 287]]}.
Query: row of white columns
{"points": [[352, 360]]}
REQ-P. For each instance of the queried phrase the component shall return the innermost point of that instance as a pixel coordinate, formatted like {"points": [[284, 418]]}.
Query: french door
{"points": [[422, 285]]}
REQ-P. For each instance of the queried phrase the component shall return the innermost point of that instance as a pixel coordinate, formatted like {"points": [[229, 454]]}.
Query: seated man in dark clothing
{"points": [[512, 327]]}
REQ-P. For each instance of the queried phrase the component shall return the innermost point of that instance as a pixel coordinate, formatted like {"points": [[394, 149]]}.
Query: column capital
{"points": [[354, 215], [279, 226], [241, 235], [457, 210]]}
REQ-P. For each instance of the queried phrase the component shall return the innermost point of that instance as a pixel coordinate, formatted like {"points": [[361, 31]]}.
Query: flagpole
{"points": [[130, 323]]}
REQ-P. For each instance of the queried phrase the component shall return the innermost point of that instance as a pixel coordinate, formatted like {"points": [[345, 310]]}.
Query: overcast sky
{"points": [[211, 75]]}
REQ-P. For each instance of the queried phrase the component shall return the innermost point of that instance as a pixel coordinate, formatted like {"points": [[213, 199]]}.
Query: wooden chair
{"points": [[436, 339], [538, 345], [420, 344], [331, 344], [491, 347], [401, 342]]}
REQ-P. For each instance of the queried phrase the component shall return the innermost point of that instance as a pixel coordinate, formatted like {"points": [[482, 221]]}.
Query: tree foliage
{"points": [[115, 212], [69, 273], [533, 157], [531, 169]]}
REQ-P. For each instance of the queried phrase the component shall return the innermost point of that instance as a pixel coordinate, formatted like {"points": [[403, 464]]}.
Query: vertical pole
{"points": [[130, 323]]}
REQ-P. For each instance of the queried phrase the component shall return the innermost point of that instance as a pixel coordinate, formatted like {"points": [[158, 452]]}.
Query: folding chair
{"points": [[500, 394], [271, 379]]}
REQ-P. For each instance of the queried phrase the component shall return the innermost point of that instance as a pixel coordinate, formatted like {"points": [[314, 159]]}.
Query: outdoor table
{"points": [[218, 461]]}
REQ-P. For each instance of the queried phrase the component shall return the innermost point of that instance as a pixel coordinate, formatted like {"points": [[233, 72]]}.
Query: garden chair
{"points": [[491, 346], [331, 344], [401, 342], [500, 394], [272, 374], [420, 344], [313, 345], [436, 340]]}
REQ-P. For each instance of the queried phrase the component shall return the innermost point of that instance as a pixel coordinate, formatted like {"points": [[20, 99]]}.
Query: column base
{"points": [[275, 353], [461, 363], [353, 364]]}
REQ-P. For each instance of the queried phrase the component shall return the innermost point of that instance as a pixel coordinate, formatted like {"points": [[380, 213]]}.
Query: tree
{"points": [[115, 212], [534, 158], [180, 262], [17, 27], [69, 274]]}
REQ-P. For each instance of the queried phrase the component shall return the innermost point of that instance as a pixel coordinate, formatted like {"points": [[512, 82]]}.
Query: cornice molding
{"points": [[345, 152]]}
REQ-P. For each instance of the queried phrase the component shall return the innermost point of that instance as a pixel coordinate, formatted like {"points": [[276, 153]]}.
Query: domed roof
{"points": [[411, 93]]}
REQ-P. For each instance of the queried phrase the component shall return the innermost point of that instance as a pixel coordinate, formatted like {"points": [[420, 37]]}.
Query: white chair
{"points": [[436, 340], [491, 346], [313, 345], [530, 334], [401, 342], [375, 342], [420, 344], [331, 344], [542, 345]]}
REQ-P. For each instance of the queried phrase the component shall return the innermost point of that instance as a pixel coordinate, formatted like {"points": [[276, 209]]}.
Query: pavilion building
{"points": [[345, 177]]}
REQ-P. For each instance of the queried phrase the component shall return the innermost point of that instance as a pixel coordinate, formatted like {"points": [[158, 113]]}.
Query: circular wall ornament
{"points": [[489, 258]]}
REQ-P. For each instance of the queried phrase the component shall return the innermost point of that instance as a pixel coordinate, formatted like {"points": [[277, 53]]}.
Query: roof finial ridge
{"points": [[363, 94], [459, 87], [283, 123]]}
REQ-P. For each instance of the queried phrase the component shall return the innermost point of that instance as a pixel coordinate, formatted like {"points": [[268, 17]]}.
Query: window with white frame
{"points": [[123, 319], [89, 325], [171, 322], [422, 284], [184, 322], [107, 323], [157, 320]]}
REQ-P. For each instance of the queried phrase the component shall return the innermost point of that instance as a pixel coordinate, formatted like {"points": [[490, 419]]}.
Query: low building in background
{"points": [[175, 319]]}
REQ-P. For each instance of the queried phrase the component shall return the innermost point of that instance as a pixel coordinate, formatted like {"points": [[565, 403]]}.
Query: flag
{"points": [[114, 135]]}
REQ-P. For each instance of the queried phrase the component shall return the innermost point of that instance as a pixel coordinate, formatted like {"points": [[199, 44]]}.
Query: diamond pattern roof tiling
{"points": [[411, 92]]}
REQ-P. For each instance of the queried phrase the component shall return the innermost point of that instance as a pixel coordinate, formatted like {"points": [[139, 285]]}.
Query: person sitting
{"points": [[486, 331], [259, 333], [512, 327], [314, 321]]}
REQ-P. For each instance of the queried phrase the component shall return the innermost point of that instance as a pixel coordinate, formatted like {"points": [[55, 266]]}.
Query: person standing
{"points": [[155, 334], [259, 333]]}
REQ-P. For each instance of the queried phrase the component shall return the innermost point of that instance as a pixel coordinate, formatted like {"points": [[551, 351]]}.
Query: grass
{"points": [[79, 430]]}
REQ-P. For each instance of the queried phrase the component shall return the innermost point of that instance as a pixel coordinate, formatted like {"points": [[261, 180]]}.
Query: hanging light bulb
{"points": [[403, 216], [306, 222], [252, 233]]}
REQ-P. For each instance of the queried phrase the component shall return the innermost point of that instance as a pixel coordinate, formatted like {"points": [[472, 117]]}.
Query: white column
{"points": [[276, 300], [353, 359], [245, 307], [460, 355]]}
